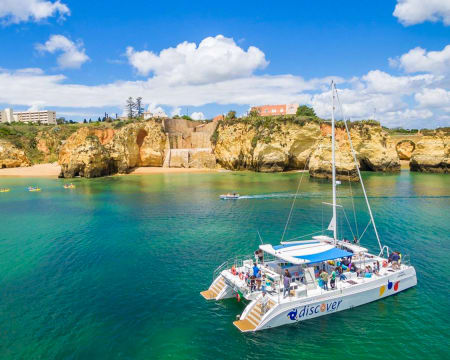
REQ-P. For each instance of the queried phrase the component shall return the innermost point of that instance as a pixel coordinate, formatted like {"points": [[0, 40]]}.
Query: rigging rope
{"points": [[348, 222], [302, 236], [293, 201], [359, 173], [353, 205], [365, 230]]}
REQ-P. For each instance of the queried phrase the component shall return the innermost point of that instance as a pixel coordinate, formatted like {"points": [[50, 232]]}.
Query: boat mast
{"points": [[333, 163], [372, 220]]}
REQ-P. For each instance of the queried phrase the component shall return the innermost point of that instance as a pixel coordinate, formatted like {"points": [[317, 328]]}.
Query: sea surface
{"points": [[113, 268]]}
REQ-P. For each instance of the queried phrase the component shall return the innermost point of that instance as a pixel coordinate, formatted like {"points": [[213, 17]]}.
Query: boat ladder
{"points": [[253, 317]]}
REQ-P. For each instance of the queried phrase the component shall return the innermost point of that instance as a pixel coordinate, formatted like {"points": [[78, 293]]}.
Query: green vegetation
{"points": [[305, 110]]}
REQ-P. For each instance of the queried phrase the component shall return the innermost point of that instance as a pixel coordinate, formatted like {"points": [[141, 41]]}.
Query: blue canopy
{"points": [[279, 247], [331, 254]]}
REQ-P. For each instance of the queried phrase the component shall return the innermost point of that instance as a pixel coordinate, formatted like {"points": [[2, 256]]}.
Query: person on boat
{"points": [[259, 254], [395, 259], [258, 280], [355, 240], [264, 301], [286, 282], [376, 268], [263, 284], [333, 279], [324, 276], [252, 283], [255, 269]]}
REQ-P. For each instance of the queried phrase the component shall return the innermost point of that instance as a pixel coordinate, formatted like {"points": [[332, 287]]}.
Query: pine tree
{"points": [[130, 106], [138, 106]]}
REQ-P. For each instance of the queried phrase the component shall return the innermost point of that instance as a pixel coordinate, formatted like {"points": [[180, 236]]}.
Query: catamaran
{"points": [[284, 284]]}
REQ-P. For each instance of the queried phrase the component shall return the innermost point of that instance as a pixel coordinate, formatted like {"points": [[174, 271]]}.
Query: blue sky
{"points": [[369, 47]]}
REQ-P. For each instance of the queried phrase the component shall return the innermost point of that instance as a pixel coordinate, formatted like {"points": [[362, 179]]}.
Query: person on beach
{"points": [[286, 283]]}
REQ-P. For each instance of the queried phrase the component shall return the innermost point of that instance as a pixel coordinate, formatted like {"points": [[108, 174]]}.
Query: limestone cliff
{"points": [[11, 156], [432, 154], [84, 155], [138, 144], [283, 145], [92, 152]]}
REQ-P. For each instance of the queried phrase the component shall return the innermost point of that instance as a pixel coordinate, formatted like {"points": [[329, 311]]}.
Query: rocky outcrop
{"points": [[139, 144], [405, 149], [280, 146], [11, 156], [432, 154], [94, 152], [84, 155], [266, 148]]}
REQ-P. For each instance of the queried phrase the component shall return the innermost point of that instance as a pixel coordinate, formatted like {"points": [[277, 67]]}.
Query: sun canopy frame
{"points": [[305, 252]]}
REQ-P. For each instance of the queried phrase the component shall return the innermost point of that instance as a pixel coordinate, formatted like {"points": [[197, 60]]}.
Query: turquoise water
{"points": [[113, 268]]}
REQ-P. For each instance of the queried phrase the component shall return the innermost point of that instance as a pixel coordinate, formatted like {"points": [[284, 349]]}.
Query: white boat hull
{"points": [[333, 301]]}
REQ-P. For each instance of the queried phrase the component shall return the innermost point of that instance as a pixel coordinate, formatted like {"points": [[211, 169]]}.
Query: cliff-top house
{"points": [[273, 110]]}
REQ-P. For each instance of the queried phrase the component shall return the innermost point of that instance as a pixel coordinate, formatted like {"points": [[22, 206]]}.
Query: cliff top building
{"points": [[273, 110], [41, 116]]}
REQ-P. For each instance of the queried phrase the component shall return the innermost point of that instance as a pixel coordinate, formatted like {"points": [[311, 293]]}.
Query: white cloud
{"points": [[198, 115], [397, 100], [175, 111], [410, 12], [16, 11], [434, 98], [156, 110], [381, 82], [73, 55], [214, 59], [420, 60]]}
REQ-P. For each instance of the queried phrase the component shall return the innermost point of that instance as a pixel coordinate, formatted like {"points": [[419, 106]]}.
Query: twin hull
{"points": [[334, 301]]}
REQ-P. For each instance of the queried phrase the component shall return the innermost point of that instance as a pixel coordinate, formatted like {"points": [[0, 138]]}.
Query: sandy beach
{"points": [[40, 170], [161, 170], [53, 170]]}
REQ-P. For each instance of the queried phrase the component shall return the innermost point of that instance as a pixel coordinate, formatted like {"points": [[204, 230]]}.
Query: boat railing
{"points": [[237, 261], [382, 251], [406, 260]]}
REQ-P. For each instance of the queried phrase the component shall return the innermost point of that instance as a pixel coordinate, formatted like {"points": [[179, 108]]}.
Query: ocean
{"points": [[113, 268]]}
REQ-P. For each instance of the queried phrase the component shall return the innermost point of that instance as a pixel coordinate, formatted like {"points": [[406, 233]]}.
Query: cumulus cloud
{"points": [[402, 100], [198, 115], [72, 55], [214, 59], [421, 60], [156, 110], [411, 12], [434, 98], [16, 11], [176, 111]]}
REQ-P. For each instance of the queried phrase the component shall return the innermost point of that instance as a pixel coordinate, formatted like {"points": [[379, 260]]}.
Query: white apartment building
{"points": [[42, 116], [7, 116]]}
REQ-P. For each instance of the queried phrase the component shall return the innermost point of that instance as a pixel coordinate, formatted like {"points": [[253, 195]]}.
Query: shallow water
{"points": [[113, 268]]}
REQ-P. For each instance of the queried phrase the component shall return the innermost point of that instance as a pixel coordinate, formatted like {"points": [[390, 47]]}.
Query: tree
{"points": [[305, 110], [130, 106], [186, 117], [60, 120], [253, 113], [138, 106], [99, 119], [84, 121], [231, 115], [90, 121]]}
